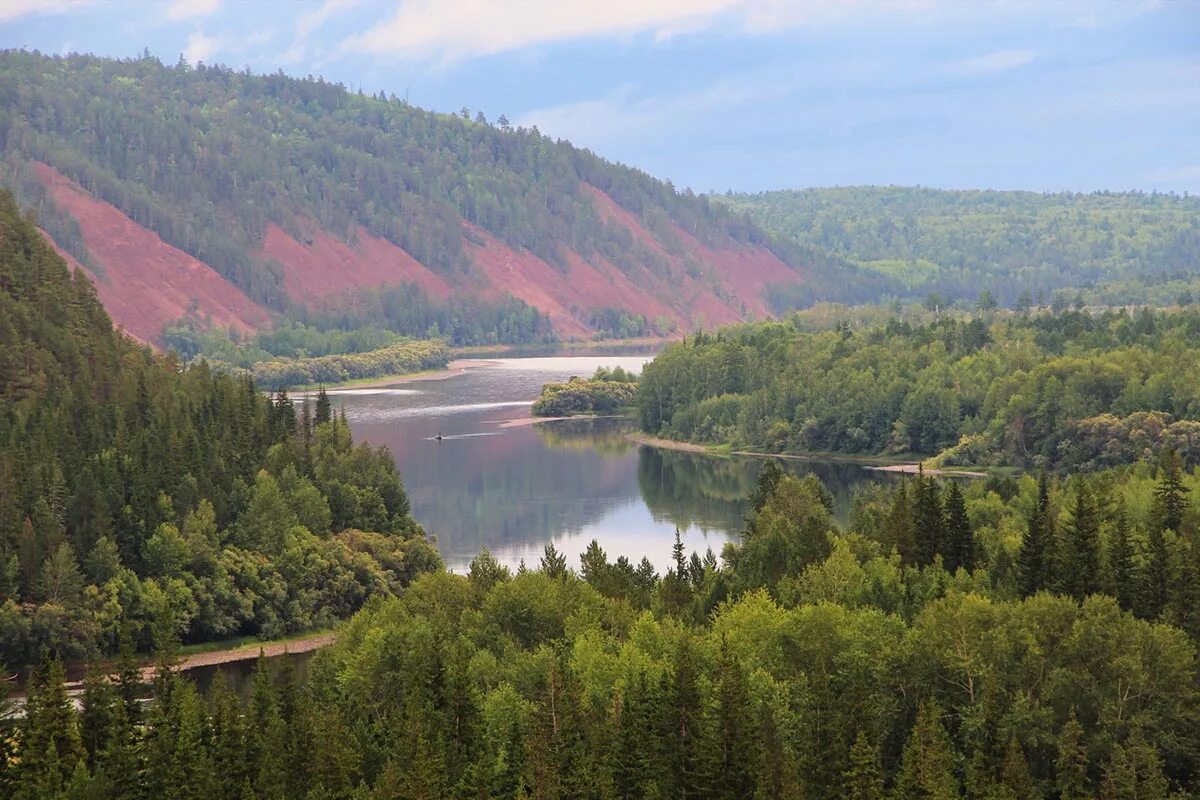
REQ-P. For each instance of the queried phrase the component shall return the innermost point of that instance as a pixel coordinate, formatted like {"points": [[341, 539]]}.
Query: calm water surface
{"points": [[513, 488]]}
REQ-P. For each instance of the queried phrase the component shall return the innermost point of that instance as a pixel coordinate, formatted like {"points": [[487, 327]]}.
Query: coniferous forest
{"points": [[137, 494], [1026, 629]]}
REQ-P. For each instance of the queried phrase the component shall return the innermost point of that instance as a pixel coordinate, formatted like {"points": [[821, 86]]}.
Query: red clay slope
{"points": [[329, 267], [147, 283], [741, 272]]}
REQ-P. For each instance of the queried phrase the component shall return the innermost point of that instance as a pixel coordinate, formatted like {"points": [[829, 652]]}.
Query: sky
{"points": [[746, 95]]}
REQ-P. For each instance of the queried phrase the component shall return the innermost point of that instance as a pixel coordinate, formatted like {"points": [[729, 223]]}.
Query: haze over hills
{"points": [[228, 197]]}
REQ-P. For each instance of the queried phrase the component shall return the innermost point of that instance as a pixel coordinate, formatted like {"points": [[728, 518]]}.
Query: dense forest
{"points": [[1023, 247], [206, 156], [1067, 391], [995, 640], [137, 494]]}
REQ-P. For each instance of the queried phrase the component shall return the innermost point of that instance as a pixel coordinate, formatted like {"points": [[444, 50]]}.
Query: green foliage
{"points": [[136, 493], [1069, 391], [607, 392], [1133, 247]]}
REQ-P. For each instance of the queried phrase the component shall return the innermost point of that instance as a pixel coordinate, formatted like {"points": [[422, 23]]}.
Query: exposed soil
{"points": [[147, 283], [324, 266]]}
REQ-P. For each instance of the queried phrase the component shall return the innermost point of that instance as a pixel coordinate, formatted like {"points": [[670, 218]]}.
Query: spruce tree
{"points": [[959, 550], [927, 769], [735, 741], [684, 728], [1071, 765], [554, 563], [1170, 496], [929, 521], [862, 780], [1034, 560], [1121, 560], [900, 532], [324, 409], [1080, 565], [1156, 579]]}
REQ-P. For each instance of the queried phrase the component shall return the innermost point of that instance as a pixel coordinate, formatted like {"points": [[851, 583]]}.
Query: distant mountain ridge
{"points": [[231, 196]]}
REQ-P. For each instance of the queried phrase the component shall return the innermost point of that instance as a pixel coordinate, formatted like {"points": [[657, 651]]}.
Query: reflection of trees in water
{"points": [[710, 492], [605, 436], [514, 489]]}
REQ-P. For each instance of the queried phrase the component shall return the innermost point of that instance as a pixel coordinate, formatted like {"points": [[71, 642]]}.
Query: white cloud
{"points": [[455, 29], [201, 47], [999, 61], [310, 22], [191, 9], [1178, 178], [11, 9]]}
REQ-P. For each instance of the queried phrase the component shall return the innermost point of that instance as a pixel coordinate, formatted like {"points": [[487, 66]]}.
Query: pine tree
{"points": [[929, 521], [324, 409], [1120, 560], [554, 563], [735, 743], [1034, 560], [900, 532], [1015, 778], [959, 550], [1071, 765], [1156, 579], [1170, 496], [927, 770], [684, 728], [51, 747], [1080, 566], [768, 478], [862, 780]]}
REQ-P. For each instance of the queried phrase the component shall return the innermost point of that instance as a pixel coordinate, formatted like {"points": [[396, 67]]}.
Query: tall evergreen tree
{"points": [[684, 734], [927, 770], [1079, 568], [929, 521], [1170, 496], [1121, 560], [1071, 765], [734, 723], [1034, 561], [959, 550], [863, 780]]}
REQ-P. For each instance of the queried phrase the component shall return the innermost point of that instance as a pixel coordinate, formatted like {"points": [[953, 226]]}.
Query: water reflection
{"points": [[514, 487]]}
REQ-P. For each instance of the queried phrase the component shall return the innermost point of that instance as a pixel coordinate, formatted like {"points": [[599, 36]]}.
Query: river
{"points": [[514, 487]]}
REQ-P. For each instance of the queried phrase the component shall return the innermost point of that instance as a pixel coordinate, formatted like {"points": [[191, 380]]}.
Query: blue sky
{"points": [[741, 94]]}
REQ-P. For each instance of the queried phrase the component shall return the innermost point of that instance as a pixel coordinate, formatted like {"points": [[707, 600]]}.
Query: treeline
{"points": [[410, 311], [606, 392], [984, 640], [954, 243], [133, 489], [395, 359], [206, 157], [1069, 391]]}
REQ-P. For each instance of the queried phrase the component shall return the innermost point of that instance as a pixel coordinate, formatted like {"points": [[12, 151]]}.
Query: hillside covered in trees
{"points": [[1061, 391], [1023, 248], [241, 195], [990, 640], [139, 496]]}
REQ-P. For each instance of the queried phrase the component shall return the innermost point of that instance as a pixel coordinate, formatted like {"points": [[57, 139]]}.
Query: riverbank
{"points": [[247, 652], [877, 464]]}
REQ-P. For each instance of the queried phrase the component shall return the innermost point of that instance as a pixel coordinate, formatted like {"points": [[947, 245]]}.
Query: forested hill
{"points": [[1116, 247], [221, 194], [136, 496]]}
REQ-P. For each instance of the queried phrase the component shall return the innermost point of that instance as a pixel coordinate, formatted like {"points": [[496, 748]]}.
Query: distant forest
{"points": [[1022, 247]]}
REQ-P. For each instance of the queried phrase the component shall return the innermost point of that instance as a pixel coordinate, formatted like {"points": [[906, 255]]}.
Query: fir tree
{"points": [[1170, 496], [554, 563], [959, 550], [1071, 765], [735, 743], [927, 770], [1036, 553], [929, 521], [1079, 569], [324, 409], [1121, 561], [863, 780]]}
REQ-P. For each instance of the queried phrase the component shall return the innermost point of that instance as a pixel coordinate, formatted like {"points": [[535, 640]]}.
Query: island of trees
{"points": [[607, 392]]}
